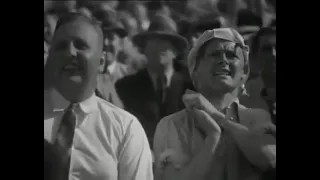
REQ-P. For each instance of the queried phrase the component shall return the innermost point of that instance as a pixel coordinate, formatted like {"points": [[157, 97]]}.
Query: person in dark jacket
{"points": [[156, 91], [264, 53]]}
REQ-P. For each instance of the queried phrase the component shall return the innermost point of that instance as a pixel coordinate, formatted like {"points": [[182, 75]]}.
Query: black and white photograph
{"points": [[160, 90]]}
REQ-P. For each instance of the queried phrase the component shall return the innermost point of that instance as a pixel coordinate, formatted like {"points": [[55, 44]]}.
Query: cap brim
{"points": [[178, 41]]}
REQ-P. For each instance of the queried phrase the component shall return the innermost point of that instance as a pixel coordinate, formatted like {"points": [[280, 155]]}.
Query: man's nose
{"points": [[72, 51], [223, 60]]}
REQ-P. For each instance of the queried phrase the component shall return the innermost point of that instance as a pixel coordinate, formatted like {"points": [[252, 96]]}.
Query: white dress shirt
{"points": [[108, 144]]}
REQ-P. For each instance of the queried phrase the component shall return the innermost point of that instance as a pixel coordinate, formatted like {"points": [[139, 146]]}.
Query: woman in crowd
{"points": [[215, 136]]}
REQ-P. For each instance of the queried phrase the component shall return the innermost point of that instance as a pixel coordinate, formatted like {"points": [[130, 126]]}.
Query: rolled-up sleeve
{"points": [[135, 157]]}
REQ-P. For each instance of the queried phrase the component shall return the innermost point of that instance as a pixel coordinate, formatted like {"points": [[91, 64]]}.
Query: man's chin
{"points": [[76, 79]]}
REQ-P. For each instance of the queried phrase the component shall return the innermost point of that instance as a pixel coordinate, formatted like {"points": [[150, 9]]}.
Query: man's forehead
{"points": [[220, 44], [77, 28]]}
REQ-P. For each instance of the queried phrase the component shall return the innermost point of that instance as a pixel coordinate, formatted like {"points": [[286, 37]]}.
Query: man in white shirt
{"points": [[108, 143]]}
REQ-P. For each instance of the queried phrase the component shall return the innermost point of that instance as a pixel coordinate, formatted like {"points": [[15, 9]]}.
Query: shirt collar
{"points": [[60, 103], [168, 74]]}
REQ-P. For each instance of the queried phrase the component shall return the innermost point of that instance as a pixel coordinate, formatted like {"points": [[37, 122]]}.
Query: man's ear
{"points": [[246, 73], [102, 65]]}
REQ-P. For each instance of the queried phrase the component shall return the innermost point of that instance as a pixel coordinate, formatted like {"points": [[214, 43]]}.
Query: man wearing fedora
{"points": [[156, 91]]}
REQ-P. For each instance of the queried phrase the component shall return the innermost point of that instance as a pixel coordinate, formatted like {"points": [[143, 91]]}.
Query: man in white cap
{"points": [[216, 137]]}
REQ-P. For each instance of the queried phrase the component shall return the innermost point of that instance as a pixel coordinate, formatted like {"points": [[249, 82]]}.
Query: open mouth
{"points": [[72, 69], [222, 72]]}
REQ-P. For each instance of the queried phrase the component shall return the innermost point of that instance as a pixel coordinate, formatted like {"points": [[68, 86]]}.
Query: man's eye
{"points": [[80, 45], [231, 55]]}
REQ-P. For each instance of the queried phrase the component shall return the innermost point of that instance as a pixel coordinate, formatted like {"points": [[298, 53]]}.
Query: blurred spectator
{"points": [[263, 68], [104, 4], [50, 21], [140, 13], [156, 91], [268, 54], [130, 54], [114, 34], [129, 22], [47, 5], [62, 7], [248, 24], [211, 21], [85, 11]]}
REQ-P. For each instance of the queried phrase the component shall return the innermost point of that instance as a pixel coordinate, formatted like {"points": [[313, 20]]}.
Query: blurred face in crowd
{"points": [[113, 44], [75, 59], [268, 54], [160, 54], [221, 67], [194, 37], [50, 22]]}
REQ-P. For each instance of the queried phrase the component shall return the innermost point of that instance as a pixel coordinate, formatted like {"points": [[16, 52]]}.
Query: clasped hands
{"points": [[208, 118]]}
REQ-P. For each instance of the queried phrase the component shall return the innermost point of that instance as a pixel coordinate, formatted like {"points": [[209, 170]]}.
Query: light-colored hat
{"points": [[228, 34]]}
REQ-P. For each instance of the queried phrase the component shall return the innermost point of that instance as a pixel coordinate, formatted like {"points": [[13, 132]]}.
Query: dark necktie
{"points": [[64, 141], [161, 87]]}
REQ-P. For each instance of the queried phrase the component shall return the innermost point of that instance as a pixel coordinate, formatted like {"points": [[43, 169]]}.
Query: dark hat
{"points": [[109, 21], [164, 27], [207, 22], [248, 23]]}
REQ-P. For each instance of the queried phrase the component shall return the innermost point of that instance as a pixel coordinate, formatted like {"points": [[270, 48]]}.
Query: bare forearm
{"points": [[201, 163], [258, 147]]}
